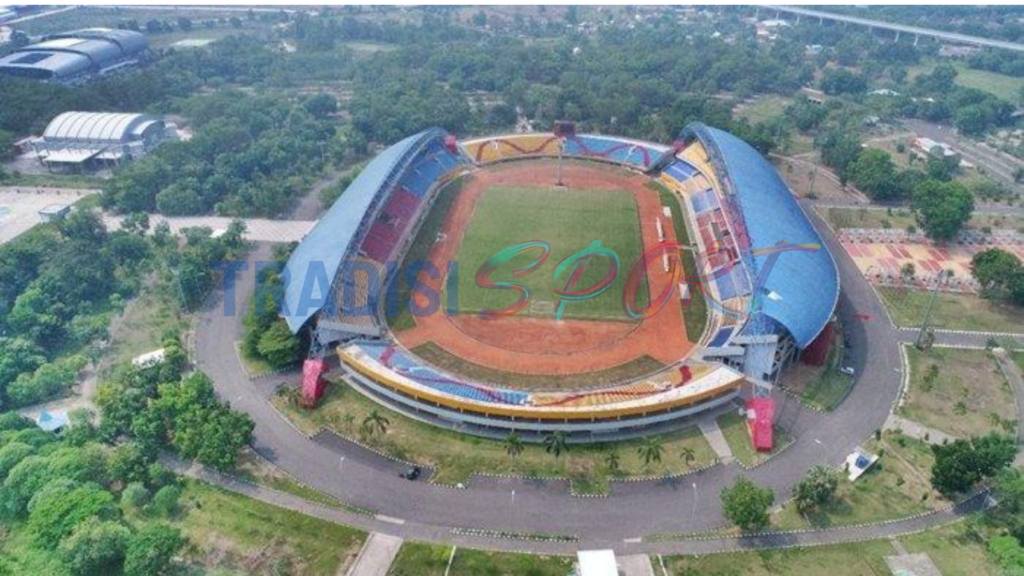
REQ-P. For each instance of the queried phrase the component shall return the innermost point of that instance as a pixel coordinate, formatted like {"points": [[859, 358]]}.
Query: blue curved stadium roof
{"points": [[803, 287], [331, 239]]}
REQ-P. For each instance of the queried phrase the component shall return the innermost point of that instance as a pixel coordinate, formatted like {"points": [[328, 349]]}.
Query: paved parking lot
{"points": [[20, 206]]}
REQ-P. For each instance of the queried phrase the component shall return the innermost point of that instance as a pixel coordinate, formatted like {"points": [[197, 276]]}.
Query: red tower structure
{"points": [[313, 382]]}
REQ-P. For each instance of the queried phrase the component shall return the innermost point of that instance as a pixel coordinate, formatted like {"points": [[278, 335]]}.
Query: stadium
{"points": [[596, 372]]}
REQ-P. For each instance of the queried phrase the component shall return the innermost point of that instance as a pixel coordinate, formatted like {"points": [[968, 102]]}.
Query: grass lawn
{"points": [[695, 316], [900, 218], [1006, 87], [952, 311], [865, 558], [255, 469], [763, 108], [895, 487], [441, 358], [245, 533], [53, 180], [141, 328], [456, 457], [569, 220], [416, 559], [823, 386], [420, 250], [960, 392], [734, 428], [953, 549]]}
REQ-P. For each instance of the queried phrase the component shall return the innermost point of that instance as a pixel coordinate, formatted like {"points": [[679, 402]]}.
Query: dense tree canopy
{"points": [[942, 208], [746, 504]]}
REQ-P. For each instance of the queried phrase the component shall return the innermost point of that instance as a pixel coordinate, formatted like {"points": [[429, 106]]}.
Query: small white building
{"points": [[596, 563], [82, 139], [149, 358]]}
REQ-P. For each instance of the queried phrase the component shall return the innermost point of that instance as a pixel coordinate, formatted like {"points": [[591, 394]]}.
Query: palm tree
{"points": [[513, 445], [554, 443], [650, 450], [687, 455], [611, 459], [375, 423]]}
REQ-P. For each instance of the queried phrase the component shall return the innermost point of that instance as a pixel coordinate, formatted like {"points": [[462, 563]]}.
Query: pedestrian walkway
{"points": [[916, 430], [636, 565], [1013, 375], [376, 556], [713, 434], [256, 229]]}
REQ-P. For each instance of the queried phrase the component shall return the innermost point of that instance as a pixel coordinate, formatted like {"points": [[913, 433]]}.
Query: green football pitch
{"points": [[567, 219]]}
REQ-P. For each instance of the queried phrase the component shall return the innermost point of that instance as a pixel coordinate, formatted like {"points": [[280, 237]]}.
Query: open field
{"points": [[241, 533], [569, 220], [1006, 87], [954, 550], [416, 559], [734, 428], [952, 311], [897, 486], [960, 392], [19, 211], [456, 457]]}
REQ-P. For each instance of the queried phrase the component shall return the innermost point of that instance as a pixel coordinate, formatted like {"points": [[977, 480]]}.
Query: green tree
{"points": [[942, 208], [817, 487], [95, 548], [279, 346], [874, 172], [375, 423], [165, 501], [151, 550], [961, 464], [995, 270], [135, 495], [746, 504], [555, 443], [650, 450], [127, 463], [611, 460], [688, 455], [60, 507], [513, 445]]}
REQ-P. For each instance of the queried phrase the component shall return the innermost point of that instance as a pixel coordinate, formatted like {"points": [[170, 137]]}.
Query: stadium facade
{"points": [[80, 139], [736, 201], [77, 55]]}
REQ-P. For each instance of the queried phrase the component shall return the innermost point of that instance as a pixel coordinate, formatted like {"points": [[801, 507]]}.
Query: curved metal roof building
{"points": [[801, 292], [74, 54], [97, 126]]}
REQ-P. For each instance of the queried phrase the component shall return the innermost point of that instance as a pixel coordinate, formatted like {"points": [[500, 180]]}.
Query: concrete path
{"points": [[1013, 375], [376, 556], [916, 430], [713, 434], [635, 565], [257, 229]]}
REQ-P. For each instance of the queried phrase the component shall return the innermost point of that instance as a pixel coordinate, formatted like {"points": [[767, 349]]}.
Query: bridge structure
{"points": [[899, 29]]}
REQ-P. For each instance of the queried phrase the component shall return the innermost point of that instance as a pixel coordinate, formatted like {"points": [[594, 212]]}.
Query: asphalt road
{"points": [[423, 511]]}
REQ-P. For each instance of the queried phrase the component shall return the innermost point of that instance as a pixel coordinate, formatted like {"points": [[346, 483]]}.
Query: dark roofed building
{"points": [[77, 55]]}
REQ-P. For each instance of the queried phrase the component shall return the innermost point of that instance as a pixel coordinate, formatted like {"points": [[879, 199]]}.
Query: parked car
{"points": [[411, 473]]}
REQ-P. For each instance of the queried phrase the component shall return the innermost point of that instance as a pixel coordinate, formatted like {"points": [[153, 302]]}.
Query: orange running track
{"points": [[546, 346]]}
